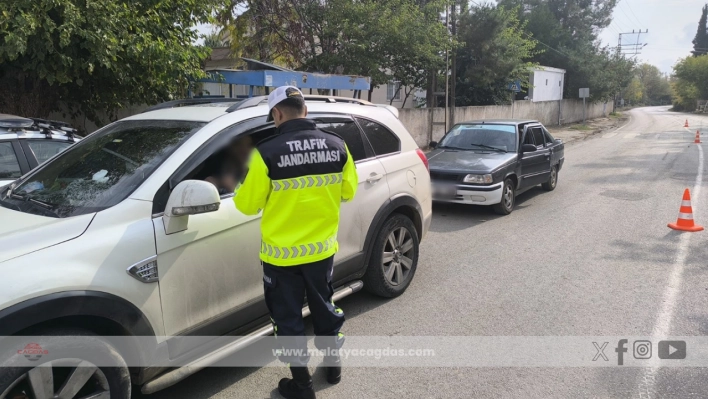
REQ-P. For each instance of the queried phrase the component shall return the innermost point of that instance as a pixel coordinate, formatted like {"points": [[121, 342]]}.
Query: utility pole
{"points": [[634, 48], [454, 65], [447, 72]]}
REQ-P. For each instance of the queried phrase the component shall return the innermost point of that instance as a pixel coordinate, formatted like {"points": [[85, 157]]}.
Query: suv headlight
{"points": [[478, 179]]}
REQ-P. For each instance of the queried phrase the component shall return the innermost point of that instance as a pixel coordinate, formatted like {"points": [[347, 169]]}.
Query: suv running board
{"points": [[168, 379]]}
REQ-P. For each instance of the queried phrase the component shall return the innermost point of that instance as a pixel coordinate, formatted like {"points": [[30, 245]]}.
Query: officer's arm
{"points": [[350, 180], [251, 197]]}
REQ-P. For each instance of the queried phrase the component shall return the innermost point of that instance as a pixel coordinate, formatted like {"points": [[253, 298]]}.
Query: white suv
{"points": [[105, 239]]}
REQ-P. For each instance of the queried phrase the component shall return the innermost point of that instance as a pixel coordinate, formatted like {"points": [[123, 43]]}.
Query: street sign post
{"points": [[584, 93], [513, 87]]}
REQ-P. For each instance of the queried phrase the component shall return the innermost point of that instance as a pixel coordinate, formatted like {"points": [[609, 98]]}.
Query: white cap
{"points": [[279, 94]]}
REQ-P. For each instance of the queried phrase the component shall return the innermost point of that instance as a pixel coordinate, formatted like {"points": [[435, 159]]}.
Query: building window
{"points": [[393, 91], [546, 82]]}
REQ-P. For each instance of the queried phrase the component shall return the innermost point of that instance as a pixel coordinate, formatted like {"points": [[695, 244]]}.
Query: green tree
{"points": [[567, 31], [690, 82], [634, 93], [494, 51], [700, 42], [655, 88], [97, 56], [385, 39]]}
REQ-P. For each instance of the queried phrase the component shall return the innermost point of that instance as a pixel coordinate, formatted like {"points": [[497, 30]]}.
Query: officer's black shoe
{"points": [[299, 387], [333, 367]]}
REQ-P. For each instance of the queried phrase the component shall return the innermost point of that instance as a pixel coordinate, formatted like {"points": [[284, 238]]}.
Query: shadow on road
{"points": [[450, 217], [218, 379]]}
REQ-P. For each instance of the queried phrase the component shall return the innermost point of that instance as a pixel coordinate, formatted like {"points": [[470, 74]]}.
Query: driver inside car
{"points": [[227, 168]]}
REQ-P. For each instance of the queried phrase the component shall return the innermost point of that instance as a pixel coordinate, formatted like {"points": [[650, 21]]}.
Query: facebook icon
{"points": [[621, 350]]}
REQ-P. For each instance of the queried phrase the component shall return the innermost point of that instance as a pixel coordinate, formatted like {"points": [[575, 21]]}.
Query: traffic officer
{"points": [[298, 178]]}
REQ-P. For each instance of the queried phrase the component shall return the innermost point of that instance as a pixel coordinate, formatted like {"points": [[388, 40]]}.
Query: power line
{"points": [[632, 11]]}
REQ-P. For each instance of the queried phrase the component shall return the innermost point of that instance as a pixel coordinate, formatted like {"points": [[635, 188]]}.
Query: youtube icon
{"points": [[672, 349]]}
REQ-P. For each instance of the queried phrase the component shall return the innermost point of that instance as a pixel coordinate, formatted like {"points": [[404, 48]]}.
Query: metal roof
{"points": [[255, 65]]}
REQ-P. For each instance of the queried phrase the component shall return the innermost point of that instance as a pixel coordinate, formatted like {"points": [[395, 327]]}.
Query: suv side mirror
{"points": [[190, 197], [433, 144], [528, 148]]}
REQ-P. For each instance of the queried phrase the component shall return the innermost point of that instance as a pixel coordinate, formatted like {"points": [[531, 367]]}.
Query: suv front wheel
{"points": [[394, 258], [37, 376]]}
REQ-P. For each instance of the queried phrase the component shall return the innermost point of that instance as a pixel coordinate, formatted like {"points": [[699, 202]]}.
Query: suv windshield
{"points": [[99, 171], [481, 137]]}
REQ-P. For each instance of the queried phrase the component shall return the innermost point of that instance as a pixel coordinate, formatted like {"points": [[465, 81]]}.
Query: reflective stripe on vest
{"points": [[306, 182], [298, 251]]}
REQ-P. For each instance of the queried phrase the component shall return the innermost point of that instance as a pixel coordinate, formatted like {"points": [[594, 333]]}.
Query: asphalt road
{"points": [[594, 257]]}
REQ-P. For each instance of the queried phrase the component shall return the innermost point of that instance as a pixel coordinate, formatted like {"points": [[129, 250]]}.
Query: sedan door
{"points": [[536, 165]]}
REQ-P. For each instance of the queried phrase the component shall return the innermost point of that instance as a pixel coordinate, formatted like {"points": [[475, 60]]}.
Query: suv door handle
{"points": [[374, 177]]}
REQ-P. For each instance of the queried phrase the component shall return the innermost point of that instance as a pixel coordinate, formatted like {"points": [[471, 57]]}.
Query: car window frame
{"points": [[540, 127], [527, 131], [366, 138], [547, 135], [19, 156], [29, 153], [368, 148]]}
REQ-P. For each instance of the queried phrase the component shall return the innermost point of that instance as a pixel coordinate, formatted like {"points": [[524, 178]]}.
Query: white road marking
{"points": [[663, 322]]}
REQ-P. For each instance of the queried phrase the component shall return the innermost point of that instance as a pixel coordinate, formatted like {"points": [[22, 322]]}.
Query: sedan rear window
{"points": [[101, 170], [480, 137]]}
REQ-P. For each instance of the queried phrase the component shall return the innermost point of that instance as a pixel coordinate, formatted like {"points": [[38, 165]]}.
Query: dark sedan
{"points": [[491, 162]]}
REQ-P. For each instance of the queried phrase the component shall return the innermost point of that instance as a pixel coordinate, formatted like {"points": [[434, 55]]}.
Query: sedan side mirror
{"points": [[433, 144], [528, 148], [190, 197]]}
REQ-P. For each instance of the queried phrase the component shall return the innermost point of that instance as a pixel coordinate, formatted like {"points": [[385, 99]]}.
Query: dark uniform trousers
{"points": [[285, 290]]}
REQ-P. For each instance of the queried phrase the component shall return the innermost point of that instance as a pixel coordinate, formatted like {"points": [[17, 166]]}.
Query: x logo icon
{"points": [[600, 351]]}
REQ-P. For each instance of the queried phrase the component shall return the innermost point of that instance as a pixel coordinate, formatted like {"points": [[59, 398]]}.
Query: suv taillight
{"points": [[423, 158]]}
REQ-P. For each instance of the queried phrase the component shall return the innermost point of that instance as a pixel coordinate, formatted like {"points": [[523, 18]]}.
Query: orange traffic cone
{"points": [[698, 137], [685, 217], [686, 124]]}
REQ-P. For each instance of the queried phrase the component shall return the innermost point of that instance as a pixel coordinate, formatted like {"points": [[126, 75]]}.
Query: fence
{"points": [[418, 120]]}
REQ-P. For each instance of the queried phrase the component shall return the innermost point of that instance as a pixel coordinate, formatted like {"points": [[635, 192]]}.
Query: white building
{"points": [[546, 84]]}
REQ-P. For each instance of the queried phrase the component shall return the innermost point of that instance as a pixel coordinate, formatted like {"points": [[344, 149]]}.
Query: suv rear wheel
{"points": [[58, 377], [394, 258]]}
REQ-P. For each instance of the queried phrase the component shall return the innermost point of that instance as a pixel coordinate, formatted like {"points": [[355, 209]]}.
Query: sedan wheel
{"points": [[508, 199], [550, 185]]}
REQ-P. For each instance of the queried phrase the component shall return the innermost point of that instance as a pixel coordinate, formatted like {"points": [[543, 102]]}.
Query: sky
{"points": [[672, 26]]}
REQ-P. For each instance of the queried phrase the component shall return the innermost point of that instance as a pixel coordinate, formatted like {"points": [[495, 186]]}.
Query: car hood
{"points": [[22, 233], [468, 161]]}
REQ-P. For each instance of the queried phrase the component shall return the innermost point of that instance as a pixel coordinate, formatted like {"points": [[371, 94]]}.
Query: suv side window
{"points": [[349, 131], [538, 136], [9, 166], [382, 140]]}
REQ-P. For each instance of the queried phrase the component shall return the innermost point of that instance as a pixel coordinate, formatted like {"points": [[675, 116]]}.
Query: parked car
{"points": [[116, 202], [491, 162], [26, 143]]}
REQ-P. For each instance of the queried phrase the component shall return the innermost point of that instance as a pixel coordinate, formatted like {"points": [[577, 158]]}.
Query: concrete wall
{"points": [[417, 120]]}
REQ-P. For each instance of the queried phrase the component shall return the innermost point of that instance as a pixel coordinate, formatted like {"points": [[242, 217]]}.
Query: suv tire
{"points": [[112, 382], [394, 258]]}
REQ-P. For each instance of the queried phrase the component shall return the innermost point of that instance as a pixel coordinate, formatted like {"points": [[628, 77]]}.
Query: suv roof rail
{"points": [[191, 101], [254, 101]]}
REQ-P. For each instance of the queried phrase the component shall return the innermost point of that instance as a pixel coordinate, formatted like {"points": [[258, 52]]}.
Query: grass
{"points": [[581, 127], [615, 114]]}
